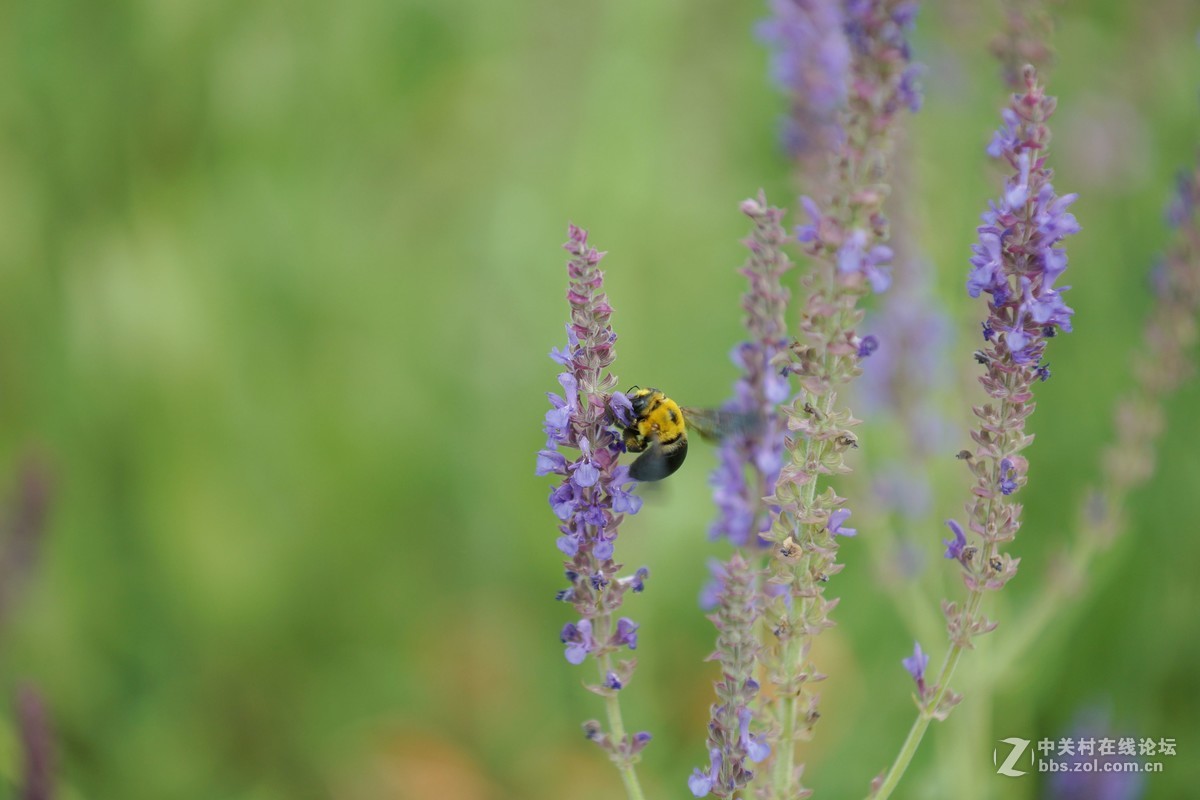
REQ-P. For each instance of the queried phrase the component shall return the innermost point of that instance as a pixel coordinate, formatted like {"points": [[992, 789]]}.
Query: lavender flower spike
{"points": [[730, 741], [847, 240], [749, 462], [1164, 360], [37, 782], [22, 530], [591, 498], [1016, 263], [1017, 260], [1169, 336], [810, 62], [749, 466]]}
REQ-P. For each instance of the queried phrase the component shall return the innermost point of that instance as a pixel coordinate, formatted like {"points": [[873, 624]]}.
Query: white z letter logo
{"points": [[1018, 749]]}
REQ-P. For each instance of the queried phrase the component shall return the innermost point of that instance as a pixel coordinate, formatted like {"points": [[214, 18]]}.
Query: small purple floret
{"points": [[626, 633], [835, 523], [916, 665], [700, 783], [577, 636], [868, 345], [954, 549]]}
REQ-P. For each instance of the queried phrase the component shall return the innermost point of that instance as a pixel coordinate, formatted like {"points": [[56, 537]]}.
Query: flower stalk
{"points": [[1017, 263], [749, 460], [1169, 336], [748, 466], [846, 240], [590, 501], [731, 744]]}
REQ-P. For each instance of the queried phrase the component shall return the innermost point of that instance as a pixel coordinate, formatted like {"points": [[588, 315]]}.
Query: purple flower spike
{"points": [[847, 240], [749, 461], [1018, 257], [729, 734], [810, 62], [1017, 262], [594, 492], [835, 523], [37, 743]]}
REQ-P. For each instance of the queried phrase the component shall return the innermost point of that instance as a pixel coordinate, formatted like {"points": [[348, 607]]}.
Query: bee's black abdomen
{"points": [[659, 461]]}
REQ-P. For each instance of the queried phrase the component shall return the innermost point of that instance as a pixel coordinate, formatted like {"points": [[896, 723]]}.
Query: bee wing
{"points": [[715, 424], [659, 460]]}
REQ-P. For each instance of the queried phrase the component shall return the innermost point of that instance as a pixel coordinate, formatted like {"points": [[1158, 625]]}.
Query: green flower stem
{"points": [[616, 726], [929, 710], [926, 714], [785, 760], [789, 703]]}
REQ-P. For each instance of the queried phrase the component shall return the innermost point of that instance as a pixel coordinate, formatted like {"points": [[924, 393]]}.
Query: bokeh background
{"points": [[277, 284]]}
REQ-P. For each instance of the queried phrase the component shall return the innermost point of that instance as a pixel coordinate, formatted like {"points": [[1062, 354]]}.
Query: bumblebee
{"points": [[660, 431]]}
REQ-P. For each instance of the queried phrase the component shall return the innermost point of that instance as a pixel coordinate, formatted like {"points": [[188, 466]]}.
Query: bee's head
{"points": [[640, 398]]}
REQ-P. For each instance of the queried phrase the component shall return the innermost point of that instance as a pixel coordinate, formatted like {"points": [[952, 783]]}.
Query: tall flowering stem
{"points": [[1170, 335], [810, 62], [37, 743], [1164, 361], [1025, 39], [1017, 261], [591, 500], [22, 531], [846, 240], [731, 744], [904, 386], [749, 463]]}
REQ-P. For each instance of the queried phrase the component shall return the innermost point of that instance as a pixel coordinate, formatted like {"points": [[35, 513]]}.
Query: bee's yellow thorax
{"points": [[662, 418]]}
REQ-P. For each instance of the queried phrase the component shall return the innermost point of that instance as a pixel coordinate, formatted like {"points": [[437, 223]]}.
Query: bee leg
{"points": [[634, 443]]}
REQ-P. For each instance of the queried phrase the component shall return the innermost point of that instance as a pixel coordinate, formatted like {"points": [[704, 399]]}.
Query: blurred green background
{"points": [[277, 284]]}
